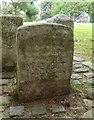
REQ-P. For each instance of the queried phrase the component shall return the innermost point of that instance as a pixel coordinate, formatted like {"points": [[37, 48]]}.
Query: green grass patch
{"points": [[84, 40]]}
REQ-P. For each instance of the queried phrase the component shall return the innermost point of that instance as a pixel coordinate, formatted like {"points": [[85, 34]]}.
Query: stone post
{"points": [[8, 29]]}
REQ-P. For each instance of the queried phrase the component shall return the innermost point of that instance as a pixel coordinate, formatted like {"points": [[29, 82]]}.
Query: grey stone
{"points": [[57, 108], [76, 108], [76, 62], [4, 100], [61, 19], [89, 64], [88, 102], [6, 89], [1, 108], [81, 70], [45, 56], [3, 81], [38, 109], [77, 66], [89, 91], [76, 82], [78, 59], [16, 110], [9, 26], [88, 81], [89, 75], [76, 76]]}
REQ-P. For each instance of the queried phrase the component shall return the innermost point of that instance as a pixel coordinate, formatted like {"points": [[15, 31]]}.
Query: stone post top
{"points": [[13, 18], [9, 16], [36, 24]]}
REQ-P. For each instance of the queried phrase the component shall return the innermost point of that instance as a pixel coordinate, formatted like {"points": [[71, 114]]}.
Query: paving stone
{"points": [[88, 102], [4, 100], [76, 108], [76, 76], [88, 81], [7, 75], [76, 82], [81, 70], [38, 109], [57, 108], [77, 66], [75, 63], [16, 110], [3, 81], [6, 89], [89, 91], [0, 116], [88, 114], [79, 59], [1, 108], [0, 90], [89, 64], [89, 75]]}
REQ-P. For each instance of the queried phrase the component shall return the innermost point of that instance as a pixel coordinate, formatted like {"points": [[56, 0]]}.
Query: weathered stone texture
{"points": [[61, 19], [8, 37], [44, 62]]}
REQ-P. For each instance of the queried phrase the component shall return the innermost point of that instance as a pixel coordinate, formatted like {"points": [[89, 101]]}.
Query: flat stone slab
{"points": [[89, 75], [38, 109], [75, 62], [81, 70], [89, 91], [76, 82], [88, 114], [88, 102], [77, 66], [0, 90], [16, 110], [78, 59], [1, 108], [7, 75], [6, 89], [3, 81], [89, 64], [88, 81], [76, 76], [57, 108], [4, 100]]}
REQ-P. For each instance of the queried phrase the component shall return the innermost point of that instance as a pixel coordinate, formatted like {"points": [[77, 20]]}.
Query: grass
{"points": [[84, 40]]}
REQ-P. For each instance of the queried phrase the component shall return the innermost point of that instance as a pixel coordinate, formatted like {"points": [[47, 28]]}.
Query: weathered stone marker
{"points": [[8, 27], [44, 62]]}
